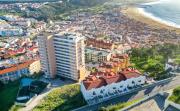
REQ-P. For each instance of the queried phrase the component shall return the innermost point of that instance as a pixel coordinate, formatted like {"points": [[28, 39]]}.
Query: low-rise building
{"points": [[22, 23], [116, 63], [40, 26], [10, 31], [18, 70], [34, 67], [103, 85], [172, 65], [96, 55], [99, 44]]}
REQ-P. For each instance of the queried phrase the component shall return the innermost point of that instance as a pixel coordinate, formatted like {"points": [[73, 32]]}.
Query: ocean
{"points": [[164, 11]]}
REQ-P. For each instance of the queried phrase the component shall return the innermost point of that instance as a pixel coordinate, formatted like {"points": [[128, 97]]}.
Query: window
{"points": [[94, 93], [101, 91]]}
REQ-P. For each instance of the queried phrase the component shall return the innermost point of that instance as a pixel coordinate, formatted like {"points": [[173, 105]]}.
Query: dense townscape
{"points": [[105, 57]]}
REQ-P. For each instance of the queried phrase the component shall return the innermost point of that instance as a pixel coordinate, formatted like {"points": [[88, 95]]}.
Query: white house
{"points": [[103, 85], [171, 65]]}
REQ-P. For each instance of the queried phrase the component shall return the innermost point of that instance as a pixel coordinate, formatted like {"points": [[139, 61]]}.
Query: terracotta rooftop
{"points": [[32, 48], [99, 79], [120, 56], [93, 82], [130, 73], [14, 52], [16, 67], [99, 43], [113, 78]]}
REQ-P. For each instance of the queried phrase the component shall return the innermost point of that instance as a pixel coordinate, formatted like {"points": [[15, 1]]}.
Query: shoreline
{"points": [[150, 15], [138, 14]]}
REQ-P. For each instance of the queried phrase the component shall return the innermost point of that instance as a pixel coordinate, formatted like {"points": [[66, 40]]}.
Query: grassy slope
{"points": [[62, 99], [175, 97], [8, 95], [153, 59], [177, 59], [119, 106]]}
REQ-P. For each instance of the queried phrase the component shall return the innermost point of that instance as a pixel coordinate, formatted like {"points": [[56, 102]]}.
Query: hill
{"points": [[54, 11]]}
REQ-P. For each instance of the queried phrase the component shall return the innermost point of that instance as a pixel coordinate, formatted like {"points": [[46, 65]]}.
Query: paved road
{"points": [[156, 103], [135, 95]]}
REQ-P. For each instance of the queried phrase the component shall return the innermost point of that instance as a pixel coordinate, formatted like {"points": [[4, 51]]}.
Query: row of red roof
{"points": [[120, 56], [14, 52], [16, 67], [99, 79], [20, 50], [98, 43]]}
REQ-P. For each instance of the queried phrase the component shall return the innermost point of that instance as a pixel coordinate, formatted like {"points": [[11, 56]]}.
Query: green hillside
{"points": [[60, 10]]}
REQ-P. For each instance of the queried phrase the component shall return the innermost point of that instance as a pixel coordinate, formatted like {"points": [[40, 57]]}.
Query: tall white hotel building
{"points": [[64, 55]]}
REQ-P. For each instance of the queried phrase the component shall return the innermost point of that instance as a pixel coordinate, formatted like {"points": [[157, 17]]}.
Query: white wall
{"points": [[167, 66], [111, 89]]}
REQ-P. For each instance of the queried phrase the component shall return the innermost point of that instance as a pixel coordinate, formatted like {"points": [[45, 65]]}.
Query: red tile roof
{"points": [[120, 56], [113, 78], [1, 49], [93, 82], [99, 43], [99, 79], [16, 67], [15, 52], [130, 73], [33, 48]]}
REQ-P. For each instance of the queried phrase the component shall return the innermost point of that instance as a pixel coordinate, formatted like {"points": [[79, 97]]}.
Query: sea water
{"points": [[165, 11]]}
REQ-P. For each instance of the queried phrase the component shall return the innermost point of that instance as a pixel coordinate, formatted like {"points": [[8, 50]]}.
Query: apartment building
{"points": [[70, 55], [96, 55], [62, 55], [47, 54], [116, 63]]}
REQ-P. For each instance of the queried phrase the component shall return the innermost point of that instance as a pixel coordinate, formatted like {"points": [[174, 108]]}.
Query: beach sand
{"points": [[134, 13]]}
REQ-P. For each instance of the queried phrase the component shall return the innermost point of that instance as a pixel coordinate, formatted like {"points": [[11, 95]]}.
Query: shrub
{"points": [[62, 99], [175, 97]]}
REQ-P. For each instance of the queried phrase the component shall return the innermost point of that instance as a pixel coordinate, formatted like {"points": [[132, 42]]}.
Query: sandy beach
{"points": [[134, 13]]}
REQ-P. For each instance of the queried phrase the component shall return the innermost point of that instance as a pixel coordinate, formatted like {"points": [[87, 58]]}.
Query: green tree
{"points": [[1, 85]]}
